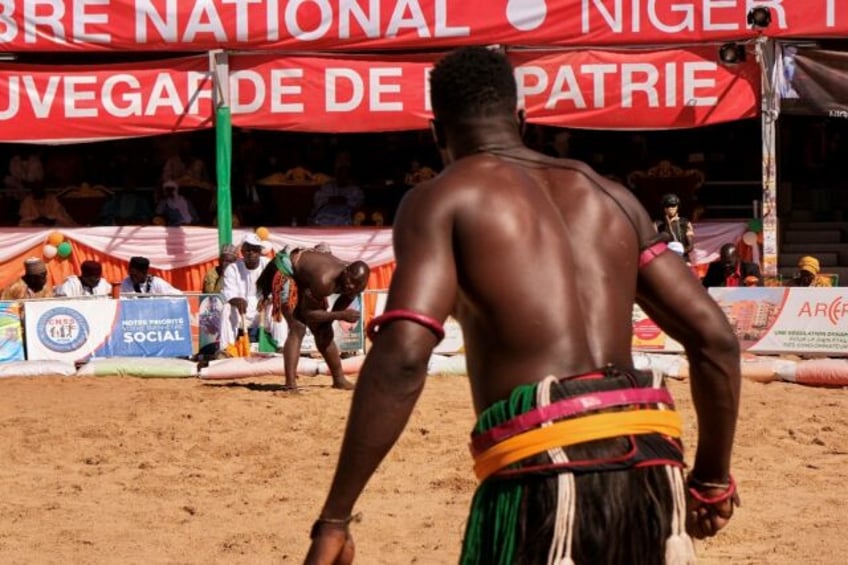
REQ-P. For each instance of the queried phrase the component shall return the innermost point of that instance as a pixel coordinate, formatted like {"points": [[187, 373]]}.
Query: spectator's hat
{"points": [[91, 269], [670, 200], [809, 264], [34, 266], [252, 239], [139, 263], [229, 251]]}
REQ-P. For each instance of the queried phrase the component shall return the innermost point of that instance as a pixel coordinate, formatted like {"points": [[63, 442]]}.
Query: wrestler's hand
{"points": [[350, 315], [332, 546], [239, 304], [705, 520]]}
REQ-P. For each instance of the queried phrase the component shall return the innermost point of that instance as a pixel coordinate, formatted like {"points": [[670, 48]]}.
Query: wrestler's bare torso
{"points": [[546, 266], [316, 273]]}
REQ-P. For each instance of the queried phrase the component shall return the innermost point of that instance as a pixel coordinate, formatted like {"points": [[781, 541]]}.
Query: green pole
{"points": [[223, 161]]}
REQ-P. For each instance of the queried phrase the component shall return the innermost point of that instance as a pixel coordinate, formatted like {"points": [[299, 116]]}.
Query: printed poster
{"points": [[77, 330], [11, 335], [802, 321], [769, 320], [205, 311]]}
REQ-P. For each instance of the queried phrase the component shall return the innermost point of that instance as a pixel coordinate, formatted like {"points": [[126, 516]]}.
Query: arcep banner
{"points": [[589, 89], [64, 103], [198, 25]]}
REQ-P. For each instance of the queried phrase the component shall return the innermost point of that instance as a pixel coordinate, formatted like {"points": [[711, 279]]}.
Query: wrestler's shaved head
{"points": [[354, 278]]}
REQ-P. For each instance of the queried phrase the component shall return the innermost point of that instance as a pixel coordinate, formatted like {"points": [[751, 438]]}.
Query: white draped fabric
{"points": [[710, 236], [173, 248]]}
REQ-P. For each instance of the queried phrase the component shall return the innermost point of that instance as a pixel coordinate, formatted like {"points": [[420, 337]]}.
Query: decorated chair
{"points": [[650, 185], [291, 194], [84, 202]]}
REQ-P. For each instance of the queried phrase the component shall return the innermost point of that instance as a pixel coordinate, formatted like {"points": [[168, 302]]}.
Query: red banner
{"points": [[67, 104], [588, 89], [328, 94], [197, 25], [675, 88]]}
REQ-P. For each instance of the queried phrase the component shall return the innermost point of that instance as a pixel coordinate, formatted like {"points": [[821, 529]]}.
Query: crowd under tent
{"points": [[316, 66]]}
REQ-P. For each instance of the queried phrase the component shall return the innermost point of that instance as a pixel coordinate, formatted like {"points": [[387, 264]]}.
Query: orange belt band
{"points": [[571, 432]]}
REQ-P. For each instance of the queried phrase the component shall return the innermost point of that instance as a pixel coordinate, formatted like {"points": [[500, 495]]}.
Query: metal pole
{"points": [[219, 63], [770, 107]]}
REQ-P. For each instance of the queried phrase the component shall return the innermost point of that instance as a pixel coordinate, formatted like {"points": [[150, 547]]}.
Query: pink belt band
{"points": [[566, 408]]}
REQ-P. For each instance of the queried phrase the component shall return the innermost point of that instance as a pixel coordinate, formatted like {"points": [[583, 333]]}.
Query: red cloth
{"points": [[734, 279]]}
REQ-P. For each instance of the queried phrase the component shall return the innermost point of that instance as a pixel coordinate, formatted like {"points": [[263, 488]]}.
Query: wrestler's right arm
{"points": [[230, 289], [395, 369]]}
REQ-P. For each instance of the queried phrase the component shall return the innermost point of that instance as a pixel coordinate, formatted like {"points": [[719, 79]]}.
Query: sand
{"points": [[124, 471]]}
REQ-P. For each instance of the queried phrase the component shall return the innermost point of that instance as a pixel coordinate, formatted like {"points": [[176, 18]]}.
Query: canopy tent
{"points": [[600, 89], [348, 25], [378, 25]]}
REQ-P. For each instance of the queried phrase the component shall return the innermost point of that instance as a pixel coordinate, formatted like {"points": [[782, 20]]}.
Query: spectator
{"points": [[809, 274], [241, 308], [182, 164], [214, 279], [41, 209], [90, 282], [23, 171], [729, 270], [127, 207], [678, 228], [139, 281], [336, 201], [32, 285], [175, 208]]}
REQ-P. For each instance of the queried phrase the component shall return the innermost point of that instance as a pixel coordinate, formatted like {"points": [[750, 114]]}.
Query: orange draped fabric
{"points": [[189, 278]]}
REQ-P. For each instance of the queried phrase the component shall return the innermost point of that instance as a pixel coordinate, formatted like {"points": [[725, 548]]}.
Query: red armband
{"points": [[650, 253], [376, 324], [695, 487]]}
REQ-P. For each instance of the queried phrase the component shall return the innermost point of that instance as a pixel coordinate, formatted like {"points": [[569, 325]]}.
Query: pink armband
{"points": [[650, 253], [376, 324]]}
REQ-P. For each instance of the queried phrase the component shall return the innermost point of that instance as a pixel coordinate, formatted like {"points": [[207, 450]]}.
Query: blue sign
{"points": [[150, 327]]}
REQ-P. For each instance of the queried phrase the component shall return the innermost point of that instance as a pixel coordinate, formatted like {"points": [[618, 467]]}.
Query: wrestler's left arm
{"points": [[395, 368]]}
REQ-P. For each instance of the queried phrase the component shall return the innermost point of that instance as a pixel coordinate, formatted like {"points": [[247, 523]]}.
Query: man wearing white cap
{"points": [[241, 299], [32, 285]]}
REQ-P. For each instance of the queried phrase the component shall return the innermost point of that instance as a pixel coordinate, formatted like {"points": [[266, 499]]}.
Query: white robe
{"points": [[73, 287], [240, 282], [154, 285]]}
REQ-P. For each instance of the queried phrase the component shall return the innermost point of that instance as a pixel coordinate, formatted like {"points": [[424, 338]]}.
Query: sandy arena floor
{"points": [[126, 471]]}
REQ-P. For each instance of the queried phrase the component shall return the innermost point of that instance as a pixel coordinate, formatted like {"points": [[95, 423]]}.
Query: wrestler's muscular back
{"points": [[546, 270], [317, 272]]}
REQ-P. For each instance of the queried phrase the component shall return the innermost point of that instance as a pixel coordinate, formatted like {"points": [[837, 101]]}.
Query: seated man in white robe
{"points": [[90, 282], [241, 298], [140, 282]]}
